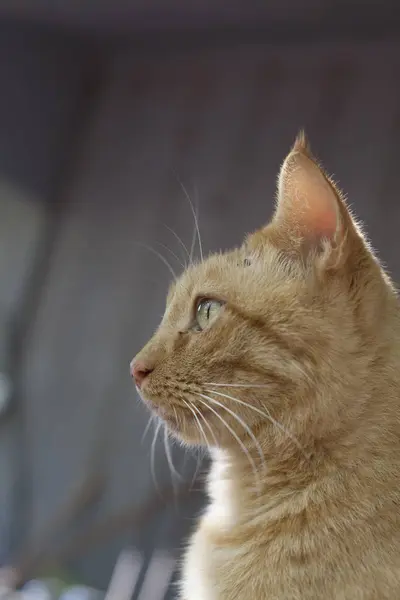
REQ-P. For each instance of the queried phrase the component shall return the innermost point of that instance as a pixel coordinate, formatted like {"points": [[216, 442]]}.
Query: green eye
{"points": [[207, 311]]}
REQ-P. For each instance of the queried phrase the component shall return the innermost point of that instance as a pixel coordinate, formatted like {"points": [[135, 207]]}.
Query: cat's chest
{"points": [[209, 570], [209, 565], [197, 583]]}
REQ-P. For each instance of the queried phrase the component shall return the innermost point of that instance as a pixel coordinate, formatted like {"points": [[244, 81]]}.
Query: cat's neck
{"points": [[240, 486]]}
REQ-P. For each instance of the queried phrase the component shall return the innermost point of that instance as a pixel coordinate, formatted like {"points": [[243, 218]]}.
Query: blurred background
{"points": [[106, 108]]}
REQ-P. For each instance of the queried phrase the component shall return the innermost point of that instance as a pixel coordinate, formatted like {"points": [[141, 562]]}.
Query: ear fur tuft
{"points": [[301, 144]]}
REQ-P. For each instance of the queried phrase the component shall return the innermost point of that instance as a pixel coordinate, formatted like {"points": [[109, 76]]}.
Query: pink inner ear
{"points": [[323, 223], [307, 201]]}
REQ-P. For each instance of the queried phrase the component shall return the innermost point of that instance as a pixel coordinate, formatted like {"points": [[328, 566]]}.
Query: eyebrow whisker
{"points": [[196, 220], [161, 257], [180, 241]]}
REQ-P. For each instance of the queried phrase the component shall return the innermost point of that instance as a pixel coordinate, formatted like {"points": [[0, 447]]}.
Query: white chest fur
{"points": [[206, 566], [197, 577]]}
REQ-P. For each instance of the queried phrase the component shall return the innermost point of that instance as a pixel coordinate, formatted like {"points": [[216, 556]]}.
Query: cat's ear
{"points": [[310, 215]]}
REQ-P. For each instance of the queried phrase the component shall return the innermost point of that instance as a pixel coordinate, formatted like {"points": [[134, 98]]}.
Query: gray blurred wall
{"points": [[41, 80]]}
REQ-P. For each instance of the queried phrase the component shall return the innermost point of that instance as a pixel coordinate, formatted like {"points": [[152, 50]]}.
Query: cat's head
{"points": [[274, 335]]}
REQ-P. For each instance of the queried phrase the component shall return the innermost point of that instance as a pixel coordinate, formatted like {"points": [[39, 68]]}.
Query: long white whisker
{"points": [[198, 422], [175, 413], [265, 413], [180, 241], [152, 456], [161, 257], [232, 432], [199, 458], [194, 230], [174, 472], [192, 245], [207, 425], [172, 254], [196, 221], [243, 424], [149, 422], [241, 385]]}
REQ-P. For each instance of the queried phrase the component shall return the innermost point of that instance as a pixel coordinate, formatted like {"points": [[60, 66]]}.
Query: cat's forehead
{"points": [[259, 282], [213, 277]]}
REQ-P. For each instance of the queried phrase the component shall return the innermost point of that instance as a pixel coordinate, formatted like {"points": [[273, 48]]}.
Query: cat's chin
{"points": [[168, 418], [184, 432], [155, 409], [183, 428]]}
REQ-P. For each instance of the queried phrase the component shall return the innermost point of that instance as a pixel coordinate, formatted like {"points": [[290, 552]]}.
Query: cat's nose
{"points": [[139, 372]]}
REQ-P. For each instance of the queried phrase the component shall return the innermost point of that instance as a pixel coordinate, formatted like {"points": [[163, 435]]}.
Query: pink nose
{"points": [[139, 372]]}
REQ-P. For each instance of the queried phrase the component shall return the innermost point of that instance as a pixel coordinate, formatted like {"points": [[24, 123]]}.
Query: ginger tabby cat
{"points": [[283, 357]]}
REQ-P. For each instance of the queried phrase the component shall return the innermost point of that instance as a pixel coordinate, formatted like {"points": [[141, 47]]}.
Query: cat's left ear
{"points": [[311, 215]]}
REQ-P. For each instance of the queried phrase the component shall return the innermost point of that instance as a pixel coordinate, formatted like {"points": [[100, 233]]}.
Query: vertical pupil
{"points": [[208, 309]]}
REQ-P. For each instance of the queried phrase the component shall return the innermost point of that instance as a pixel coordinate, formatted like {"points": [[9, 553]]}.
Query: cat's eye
{"points": [[207, 310]]}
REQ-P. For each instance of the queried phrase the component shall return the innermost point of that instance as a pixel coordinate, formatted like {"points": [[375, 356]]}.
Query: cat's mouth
{"points": [[165, 413], [156, 408], [172, 414]]}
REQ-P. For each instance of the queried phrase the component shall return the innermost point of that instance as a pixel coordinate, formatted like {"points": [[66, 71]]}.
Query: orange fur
{"points": [[307, 505]]}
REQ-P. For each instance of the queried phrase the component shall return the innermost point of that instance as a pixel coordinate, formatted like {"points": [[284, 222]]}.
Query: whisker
{"points": [[232, 432], [242, 385], [207, 424], [302, 372], [192, 245], [199, 458], [149, 422], [180, 241], [182, 464], [161, 257], [194, 236], [268, 416], [152, 456], [243, 424], [198, 422], [196, 221], [168, 454], [172, 254]]}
